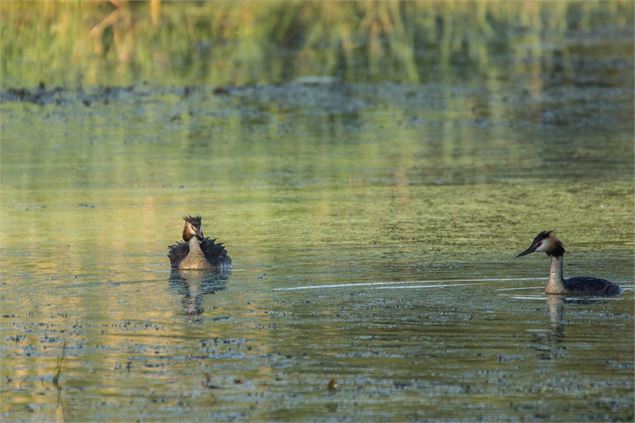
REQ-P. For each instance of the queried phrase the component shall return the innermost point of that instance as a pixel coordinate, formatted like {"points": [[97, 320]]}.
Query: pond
{"points": [[373, 229]]}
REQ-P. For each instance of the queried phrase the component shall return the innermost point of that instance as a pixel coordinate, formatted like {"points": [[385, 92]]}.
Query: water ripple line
{"points": [[361, 284], [425, 286]]}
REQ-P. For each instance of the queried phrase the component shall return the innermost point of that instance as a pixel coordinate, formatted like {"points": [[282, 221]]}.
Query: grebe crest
{"points": [[197, 252], [546, 242]]}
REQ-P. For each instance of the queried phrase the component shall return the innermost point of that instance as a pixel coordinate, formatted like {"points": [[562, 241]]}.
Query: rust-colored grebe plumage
{"points": [[197, 252], [547, 242]]}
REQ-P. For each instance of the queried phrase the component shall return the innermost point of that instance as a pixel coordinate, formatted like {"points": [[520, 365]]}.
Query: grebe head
{"points": [[545, 242], [192, 228]]}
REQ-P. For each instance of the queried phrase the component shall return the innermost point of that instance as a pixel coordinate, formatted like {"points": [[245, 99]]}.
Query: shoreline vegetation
{"points": [[270, 42]]}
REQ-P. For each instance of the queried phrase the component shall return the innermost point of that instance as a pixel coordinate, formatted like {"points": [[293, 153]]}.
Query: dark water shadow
{"points": [[193, 285]]}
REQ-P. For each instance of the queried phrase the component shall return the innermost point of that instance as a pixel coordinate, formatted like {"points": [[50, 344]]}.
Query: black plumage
{"points": [[586, 285]]}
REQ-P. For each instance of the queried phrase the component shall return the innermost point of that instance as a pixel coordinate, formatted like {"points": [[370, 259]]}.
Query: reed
{"points": [[247, 42]]}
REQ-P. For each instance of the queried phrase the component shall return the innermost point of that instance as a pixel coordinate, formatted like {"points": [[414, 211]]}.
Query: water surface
{"points": [[373, 230]]}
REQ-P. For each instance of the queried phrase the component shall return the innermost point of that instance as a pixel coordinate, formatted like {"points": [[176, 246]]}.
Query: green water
{"points": [[372, 227]]}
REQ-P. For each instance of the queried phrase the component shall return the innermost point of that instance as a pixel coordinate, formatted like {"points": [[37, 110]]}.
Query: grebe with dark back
{"points": [[197, 252], [547, 242]]}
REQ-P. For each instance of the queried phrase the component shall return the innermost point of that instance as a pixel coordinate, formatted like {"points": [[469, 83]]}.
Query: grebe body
{"points": [[197, 252], [547, 242]]}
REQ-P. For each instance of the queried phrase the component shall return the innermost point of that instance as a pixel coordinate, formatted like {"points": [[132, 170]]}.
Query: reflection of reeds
{"points": [[56, 383], [246, 42], [56, 378]]}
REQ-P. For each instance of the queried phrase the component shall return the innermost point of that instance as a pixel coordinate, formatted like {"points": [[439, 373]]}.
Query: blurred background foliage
{"points": [[252, 42]]}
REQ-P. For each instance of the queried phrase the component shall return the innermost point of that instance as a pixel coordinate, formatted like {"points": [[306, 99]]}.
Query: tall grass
{"points": [[244, 42]]}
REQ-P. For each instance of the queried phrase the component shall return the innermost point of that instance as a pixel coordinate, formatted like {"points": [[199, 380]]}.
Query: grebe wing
{"points": [[215, 253], [177, 252]]}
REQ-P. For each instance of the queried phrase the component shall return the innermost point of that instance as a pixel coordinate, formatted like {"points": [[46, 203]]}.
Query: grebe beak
{"points": [[531, 249], [199, 234]]}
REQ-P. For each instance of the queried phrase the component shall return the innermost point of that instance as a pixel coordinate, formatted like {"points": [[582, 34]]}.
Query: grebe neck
{"points": [[555, 285], [195, 245]]}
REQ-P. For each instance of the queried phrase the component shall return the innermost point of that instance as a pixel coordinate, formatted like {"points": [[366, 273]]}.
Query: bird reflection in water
{"points": [[193, 285], [548, 343]]}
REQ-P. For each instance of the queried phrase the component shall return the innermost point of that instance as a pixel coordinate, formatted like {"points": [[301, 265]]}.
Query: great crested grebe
{"points": [[197, 252], [547, 242]]}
